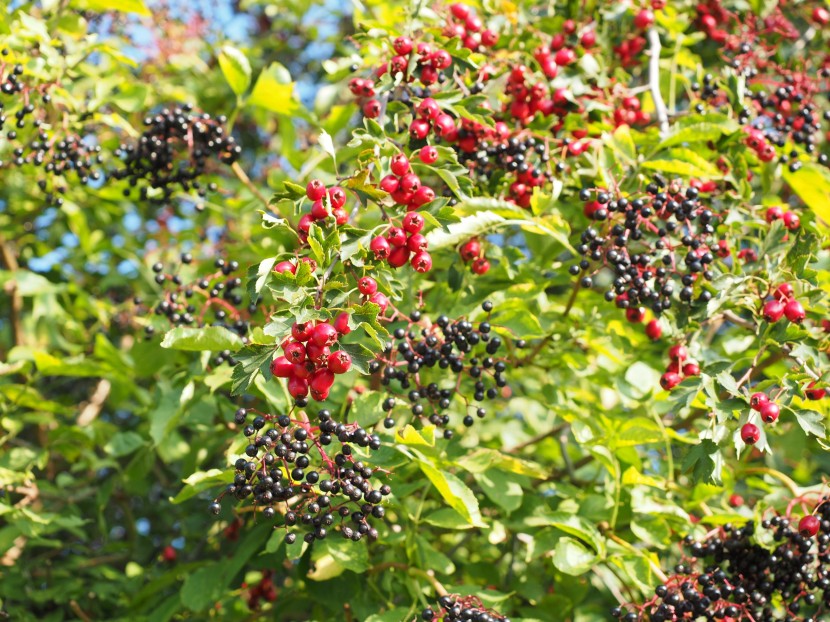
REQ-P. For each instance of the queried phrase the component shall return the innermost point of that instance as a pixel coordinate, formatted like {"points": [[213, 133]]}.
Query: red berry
{"points": [[413, 223], [791, 221], [302, 370], [337, 197], [315, 190], [324, 334], [341, 324], [549, 67], [428, 108], [635, 315], [285, 266], [421, 261], [401, 197], [783, 292], [564, 57], [428, 154], [321, 380], [691, 369], [367, 286], [589, 39], [371, 109], [380, 299], [402, 45], [569, 26], [653, 330], [489, 38], [380, 247], [821, 15], [390, 183], [316, 354], [758, 400], [441, 59], [669, 380], [341, 216], [281, 367], [297, 387], [399, 164], [398, 257], [294, 351], [417, 243], [168, 554], [424, 195], [774, 213], [678, 352], [429, 75], [814, 394], [794, 311], [459, 11], [644, 19], [410, 182], [301, 332], [419, 129], [470, 250], [444, 124], [304, 224], [480, 266], [736, 500], [396, 236], [769, 412], [473, 23], [750, 434], [339, 362], [319, 211], [773, 311]]}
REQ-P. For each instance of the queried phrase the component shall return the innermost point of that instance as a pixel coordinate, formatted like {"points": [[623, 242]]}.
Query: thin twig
{"points": [[96, 402], [243, 177], [319, 299], [654, 81], [737, 320], [73, 604]]}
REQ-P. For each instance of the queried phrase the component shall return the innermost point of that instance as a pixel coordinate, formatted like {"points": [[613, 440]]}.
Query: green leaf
{"points": [[689, 164], [361, 356], [251, 361], [572, 557], [123, 443], [211, 338], [124, 6], [201, 481], [501, 488], [202, 588], [811, 422], [455, 493], [699, 132], [705, 462], [274, 91], [812, 184], [236, 68], [573, 525]]}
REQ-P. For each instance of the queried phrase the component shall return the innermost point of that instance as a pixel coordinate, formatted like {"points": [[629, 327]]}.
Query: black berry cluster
{"points": [[212, 300], [308, 473], [730, 576], [454, 608], [173, 152], [646, 243], [468, 351]]}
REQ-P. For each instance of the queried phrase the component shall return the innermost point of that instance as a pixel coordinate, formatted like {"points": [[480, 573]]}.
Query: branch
{"points": [[654, 81], [325, 278], [536, 439], [96, 402], [243, 177], [738, 320], [10, 261]]}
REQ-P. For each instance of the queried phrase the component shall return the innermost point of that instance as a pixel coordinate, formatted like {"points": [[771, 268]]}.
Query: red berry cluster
{"points": [[308, 361], [325, 203], [430, 63], [472, 252], [465, 24], [783, 304], [563, 45], [404, 186], [263, 590], [678, 368], [630, 112], [711, 18], [790, 219]]}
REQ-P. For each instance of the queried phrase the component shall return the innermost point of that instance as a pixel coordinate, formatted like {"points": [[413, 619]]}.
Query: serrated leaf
{"points": [[361, 356], [209, 338], [251, 361], [704, 462], [274, 91], [811, 422]]}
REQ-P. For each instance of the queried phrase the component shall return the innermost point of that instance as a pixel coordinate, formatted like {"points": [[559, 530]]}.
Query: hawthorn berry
{"points": [[399, 164], [678, 352], [750, 434], [653, 330], [413, 223], [644, 19], [428, 154], [794, 311], [324, 334], [773, 311], [367, 286], [769, 412], [380, 247], [757, 401], [480, 266]]}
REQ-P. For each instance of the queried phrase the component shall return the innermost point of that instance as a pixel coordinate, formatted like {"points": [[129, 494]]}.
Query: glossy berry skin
{"points": [[398, 257], [281, 367], [367, 286], [324, 335], [413, 223], [428, 108], [396, 236], [337, 197], [669, 380], [419, 129], [421, 261], [791, 221], [380, 299], [784, 292], [294, 352], [390, 184], [371, 109], [635, 315], [758, 400], [565, 56], [794, 311], [769, 412], [285, 266], [750, 434], [653, 330], [774, 213], [808, 526], [302, 332], [428, 154], [691, 369], [480, 266], [319, 210], [380, 247], [773, 311], [402, 45], [316, 354], [339, 362], [315, 190], [341, 324], [814, 394], [399, 164], [678, 352], [821, 16], [644, 19], [297, 387], [470, 250], [417, 242]]}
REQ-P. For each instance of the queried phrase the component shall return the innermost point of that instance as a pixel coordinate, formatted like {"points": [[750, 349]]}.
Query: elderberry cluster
{"points": [[647, 243], [729, 576], [308, 472], [467, 350], [189, 304], [454, 608], [173, 151]]}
